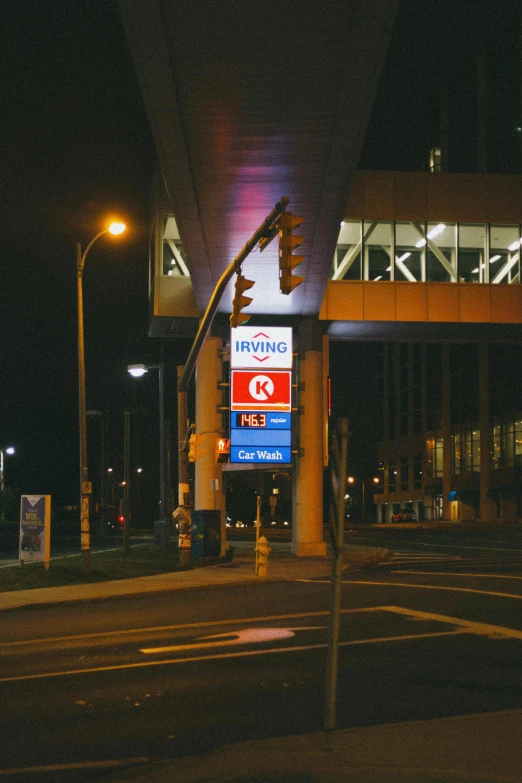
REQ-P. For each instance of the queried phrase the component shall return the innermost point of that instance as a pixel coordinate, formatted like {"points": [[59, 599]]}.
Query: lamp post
{"points": [[137, 371], [85, 486], [8, 450]]}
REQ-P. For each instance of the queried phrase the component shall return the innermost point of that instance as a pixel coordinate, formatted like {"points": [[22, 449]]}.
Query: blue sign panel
{"points": [[281, 455], [261, 437]]}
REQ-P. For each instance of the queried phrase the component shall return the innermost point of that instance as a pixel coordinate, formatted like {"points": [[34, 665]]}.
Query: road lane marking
{"points": [[243, 636], [478, 629], [76, 765], [182, 626], [433, 587], [449, 573], [421, 587], [220, 656]]}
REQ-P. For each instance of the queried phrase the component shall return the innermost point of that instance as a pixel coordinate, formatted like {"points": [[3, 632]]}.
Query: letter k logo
{"points": [[261, 388]]}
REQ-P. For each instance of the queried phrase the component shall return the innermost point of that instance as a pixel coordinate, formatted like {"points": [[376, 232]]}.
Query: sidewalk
{"points": [[282, 565], [471, 749]]}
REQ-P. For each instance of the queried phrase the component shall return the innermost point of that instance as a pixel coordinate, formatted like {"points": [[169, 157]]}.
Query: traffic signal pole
{"points": [[266, 231]]}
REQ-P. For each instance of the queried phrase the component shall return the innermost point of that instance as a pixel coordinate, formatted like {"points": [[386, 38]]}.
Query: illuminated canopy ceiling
{"points": [[249, 101]]}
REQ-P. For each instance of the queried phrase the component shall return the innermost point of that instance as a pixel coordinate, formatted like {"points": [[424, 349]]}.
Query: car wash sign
{"points": [[261, 395]]}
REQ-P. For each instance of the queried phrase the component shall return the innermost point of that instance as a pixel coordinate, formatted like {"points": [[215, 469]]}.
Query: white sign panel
{"points": [[260, 347]]}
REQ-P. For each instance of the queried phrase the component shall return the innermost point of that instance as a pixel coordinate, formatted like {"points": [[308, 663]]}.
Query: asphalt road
{"points": [[180, 673]]}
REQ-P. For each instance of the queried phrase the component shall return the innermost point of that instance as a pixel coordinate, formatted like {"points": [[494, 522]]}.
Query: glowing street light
{"points": [[114, 228]]}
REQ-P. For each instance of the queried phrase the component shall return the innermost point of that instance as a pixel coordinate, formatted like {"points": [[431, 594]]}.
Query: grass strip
{"points": [[142, 560]]}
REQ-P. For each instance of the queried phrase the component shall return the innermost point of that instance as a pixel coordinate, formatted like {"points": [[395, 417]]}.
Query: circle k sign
{"points": [[266, 391]]}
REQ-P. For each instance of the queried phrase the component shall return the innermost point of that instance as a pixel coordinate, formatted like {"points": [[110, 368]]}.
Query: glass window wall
{"points": [[416, 251], [441, 252], [378, 250], [507, 441], [347, 263], [173, 256], [409, 259], [434, 455], [472, 254], [504, 254], [466, 451]]}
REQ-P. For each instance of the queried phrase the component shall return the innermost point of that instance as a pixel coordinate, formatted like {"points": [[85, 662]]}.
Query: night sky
{"points": [[76, 147]]}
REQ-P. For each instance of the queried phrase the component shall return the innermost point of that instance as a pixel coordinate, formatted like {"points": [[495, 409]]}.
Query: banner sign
{"points": [[35, 528], [261, 347]]}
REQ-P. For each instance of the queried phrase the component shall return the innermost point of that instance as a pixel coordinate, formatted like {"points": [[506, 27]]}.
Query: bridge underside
{"points": [[249, 102]]}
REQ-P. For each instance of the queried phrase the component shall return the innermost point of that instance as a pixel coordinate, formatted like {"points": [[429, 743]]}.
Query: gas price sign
{"points": [[261, 395]]}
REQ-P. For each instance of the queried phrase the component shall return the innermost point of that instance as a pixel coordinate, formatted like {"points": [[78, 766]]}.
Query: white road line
{"points": [[182, 626], [462, 546], [459, 573], [432, 587]]}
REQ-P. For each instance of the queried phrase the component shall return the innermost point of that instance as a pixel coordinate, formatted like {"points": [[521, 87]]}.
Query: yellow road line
{"points": [[76, 765]]}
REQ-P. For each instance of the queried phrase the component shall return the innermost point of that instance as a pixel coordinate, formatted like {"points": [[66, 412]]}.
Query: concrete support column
{"points": [[307, 532], [485, 502], [208, 425], [446, 430]]}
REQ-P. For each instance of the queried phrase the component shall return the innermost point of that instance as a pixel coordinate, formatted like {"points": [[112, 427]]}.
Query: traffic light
{"points": [[239, 301], [287, 244], [193, 448], [222, 450]]}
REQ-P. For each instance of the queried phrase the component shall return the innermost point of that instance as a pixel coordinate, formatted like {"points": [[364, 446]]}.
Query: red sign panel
{"points": [[261, 391]]}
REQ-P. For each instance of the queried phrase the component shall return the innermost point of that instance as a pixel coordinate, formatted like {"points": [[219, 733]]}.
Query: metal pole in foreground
{"points": [[339, 456]]}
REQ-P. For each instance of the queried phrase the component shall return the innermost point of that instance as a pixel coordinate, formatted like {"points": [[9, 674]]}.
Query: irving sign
{"points": [[261, 347]]}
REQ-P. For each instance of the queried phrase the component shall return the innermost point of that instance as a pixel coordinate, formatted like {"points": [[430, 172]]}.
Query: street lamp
{"points": [[85, 486], [137, 371], [8, 450]]}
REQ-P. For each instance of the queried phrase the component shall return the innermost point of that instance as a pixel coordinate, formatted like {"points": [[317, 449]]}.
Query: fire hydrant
{"points": [[262, 551]]}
